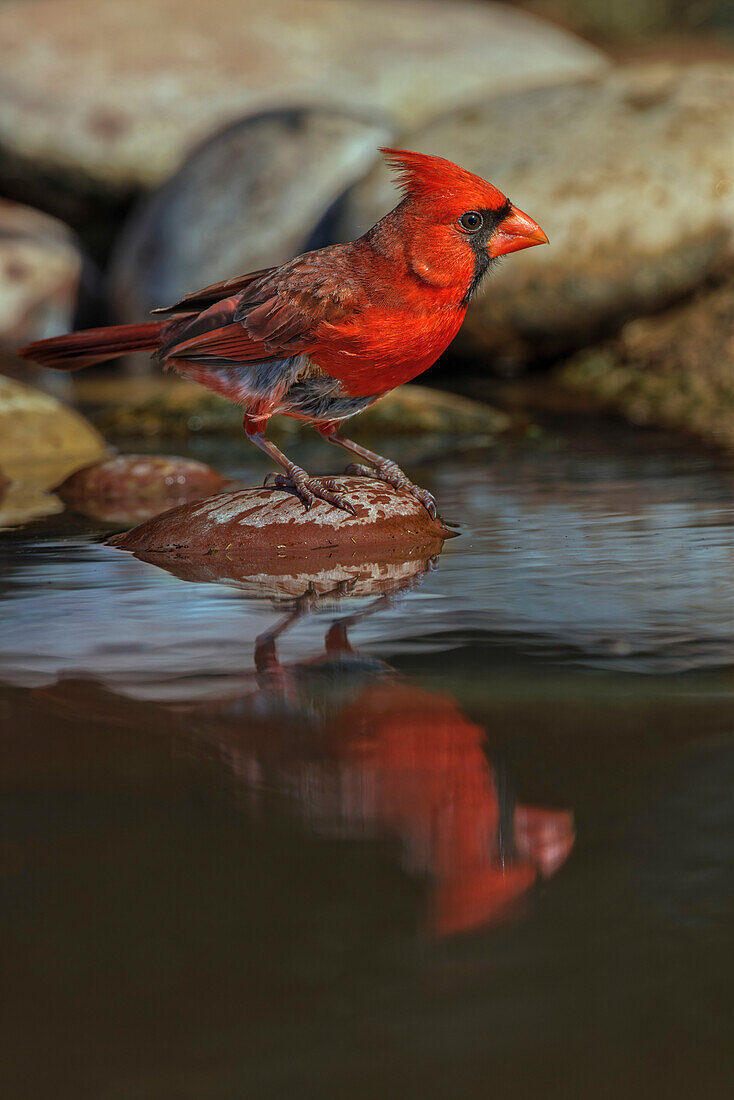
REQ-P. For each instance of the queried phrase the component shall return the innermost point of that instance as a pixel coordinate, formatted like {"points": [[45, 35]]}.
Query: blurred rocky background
{"points": [[150, 148]]}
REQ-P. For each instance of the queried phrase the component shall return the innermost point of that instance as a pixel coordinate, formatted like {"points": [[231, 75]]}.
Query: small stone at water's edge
{"points": [[131, 488]]}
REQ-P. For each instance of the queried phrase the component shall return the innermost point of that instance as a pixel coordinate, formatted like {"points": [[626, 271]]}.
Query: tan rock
{"points": [[632, 177], [120, 90], [40, 269], [25, 500], [36, 429]]}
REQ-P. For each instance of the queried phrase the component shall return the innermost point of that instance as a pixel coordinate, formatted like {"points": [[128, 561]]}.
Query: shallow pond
{"points": [[469, 833]]}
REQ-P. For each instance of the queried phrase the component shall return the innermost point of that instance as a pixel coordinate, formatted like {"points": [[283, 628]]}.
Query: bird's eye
{"points": [[471, 221]]}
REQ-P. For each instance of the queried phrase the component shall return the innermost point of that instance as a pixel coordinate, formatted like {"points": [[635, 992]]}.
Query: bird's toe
{"points": [[326, 489], [357, 470], [391, 473]]}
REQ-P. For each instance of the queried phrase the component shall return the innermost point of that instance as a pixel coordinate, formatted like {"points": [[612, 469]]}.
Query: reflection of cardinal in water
{"points": [[361, 752]]}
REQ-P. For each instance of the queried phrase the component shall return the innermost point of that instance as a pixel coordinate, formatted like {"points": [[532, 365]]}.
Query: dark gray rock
{"points": [[248, 198]]}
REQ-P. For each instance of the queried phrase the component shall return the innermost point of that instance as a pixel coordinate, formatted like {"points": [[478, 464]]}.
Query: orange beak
{"points": [[515, 232]]}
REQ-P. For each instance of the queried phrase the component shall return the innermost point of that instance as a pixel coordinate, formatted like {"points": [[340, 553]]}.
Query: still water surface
{"points": [[468, 832]]}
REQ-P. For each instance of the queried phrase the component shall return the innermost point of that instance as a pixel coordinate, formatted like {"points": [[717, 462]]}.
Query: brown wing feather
{"points": [[208, 296], [230, 341], [275, 313]]}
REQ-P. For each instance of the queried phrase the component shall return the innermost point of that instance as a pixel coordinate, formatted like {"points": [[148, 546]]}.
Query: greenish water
{"points": [[465, 836]]}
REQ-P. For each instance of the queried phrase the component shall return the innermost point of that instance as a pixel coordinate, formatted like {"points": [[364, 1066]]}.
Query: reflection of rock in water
{"points": [[324, 576]]}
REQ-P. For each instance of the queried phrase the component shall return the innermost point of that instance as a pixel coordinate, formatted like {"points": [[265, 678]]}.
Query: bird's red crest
{"points": [[420, 175]]}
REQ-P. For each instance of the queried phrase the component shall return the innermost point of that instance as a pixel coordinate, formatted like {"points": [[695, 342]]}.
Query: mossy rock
{"points": [[36, 429], [173, 408], [672, 371], [41, 442]]}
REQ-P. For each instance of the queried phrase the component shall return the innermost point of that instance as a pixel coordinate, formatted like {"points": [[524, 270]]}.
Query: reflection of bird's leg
{"points": [[337, 640], [266, 655], [383, 468], [295, 480]]}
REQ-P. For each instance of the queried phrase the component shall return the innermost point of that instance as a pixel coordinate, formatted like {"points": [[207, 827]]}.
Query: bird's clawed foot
{"points": [[308, 489], [391, 473]]}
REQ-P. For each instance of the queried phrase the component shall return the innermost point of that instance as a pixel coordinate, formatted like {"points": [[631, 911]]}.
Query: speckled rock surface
{"points": [[171, 407], [675, 370], [119, 91], [632, 178], [247, 199], [131, 488], [270, 526], [40, 269]]}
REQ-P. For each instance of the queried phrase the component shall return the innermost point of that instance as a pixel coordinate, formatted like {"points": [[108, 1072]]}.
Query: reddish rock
{"points": [[256, 535], [131, 488]]}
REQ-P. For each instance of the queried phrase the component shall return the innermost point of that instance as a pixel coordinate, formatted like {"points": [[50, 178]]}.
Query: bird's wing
{"points": [[276, 314], [208, 296]]}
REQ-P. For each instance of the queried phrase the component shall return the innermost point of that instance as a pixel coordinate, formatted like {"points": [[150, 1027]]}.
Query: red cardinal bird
{"points": [[326, 334]]}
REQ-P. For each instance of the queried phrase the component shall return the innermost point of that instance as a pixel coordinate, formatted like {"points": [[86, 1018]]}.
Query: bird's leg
{"points": [[383, 468], [295, 480]]}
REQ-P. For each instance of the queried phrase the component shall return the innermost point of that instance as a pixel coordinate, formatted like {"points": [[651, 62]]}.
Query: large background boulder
{"points": [[118, 91], [632, 177]]}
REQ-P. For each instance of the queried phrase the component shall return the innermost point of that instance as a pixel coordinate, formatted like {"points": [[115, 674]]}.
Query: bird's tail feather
{"points": [[93, 345]]}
